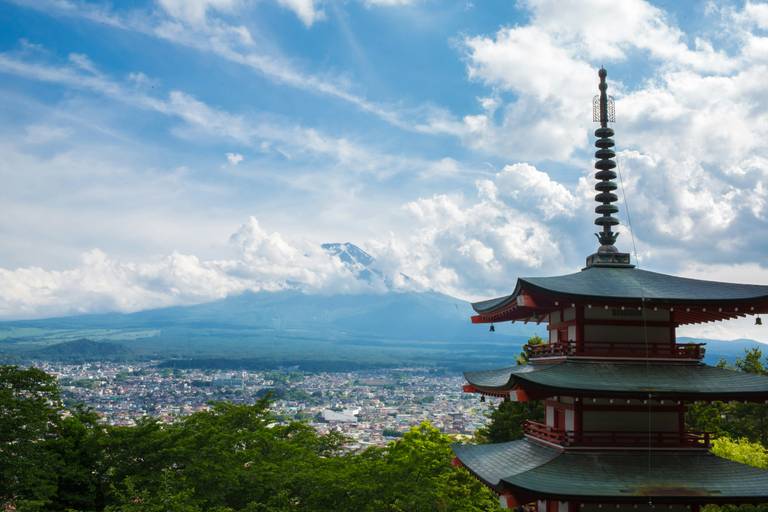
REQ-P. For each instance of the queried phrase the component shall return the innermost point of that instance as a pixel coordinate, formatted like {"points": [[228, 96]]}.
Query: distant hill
{"points": [[730, 351], [82, 350], [277, 328], [427, 316]]}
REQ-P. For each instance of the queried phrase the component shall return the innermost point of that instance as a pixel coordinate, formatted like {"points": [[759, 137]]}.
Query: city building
{"points": [[614, 381]]}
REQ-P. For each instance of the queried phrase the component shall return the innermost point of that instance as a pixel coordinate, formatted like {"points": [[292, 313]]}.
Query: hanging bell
{"points": [[482, 398], [758, 321], [492, 329]]}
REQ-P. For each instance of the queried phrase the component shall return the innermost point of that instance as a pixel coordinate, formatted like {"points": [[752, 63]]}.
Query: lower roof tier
{"points": [[532, 471], [690, 381]]}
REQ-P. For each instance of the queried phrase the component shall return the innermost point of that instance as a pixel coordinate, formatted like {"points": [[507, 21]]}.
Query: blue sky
{"points": [[171, 152]]}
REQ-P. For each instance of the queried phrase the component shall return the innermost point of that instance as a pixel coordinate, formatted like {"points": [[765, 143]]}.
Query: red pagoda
{"points": [[615, 382]]}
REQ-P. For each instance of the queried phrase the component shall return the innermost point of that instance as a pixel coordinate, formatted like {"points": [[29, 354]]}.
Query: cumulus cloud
{"points": [[549, 67], [580, 27], [547, 116], [475, 247], [526, 187], [264, 261]]}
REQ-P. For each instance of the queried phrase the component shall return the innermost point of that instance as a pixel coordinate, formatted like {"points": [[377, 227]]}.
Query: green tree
{"points": [[741, 450], [745, 452], [78, 450], [533, 341], [506, 421], [29, 414], [733, 419], [231, 458], [410, 474]]}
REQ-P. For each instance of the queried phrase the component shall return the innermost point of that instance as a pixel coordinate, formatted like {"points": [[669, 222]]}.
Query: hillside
{"points": [[81, 350]]}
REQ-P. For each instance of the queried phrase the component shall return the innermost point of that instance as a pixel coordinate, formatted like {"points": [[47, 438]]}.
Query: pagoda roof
{"points": [[533, 471], [627, 285], [694, 381]]}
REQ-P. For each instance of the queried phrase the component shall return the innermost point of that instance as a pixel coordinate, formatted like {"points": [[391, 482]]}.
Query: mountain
{"points": [[288, 328], [357, 260], [390, 328]]}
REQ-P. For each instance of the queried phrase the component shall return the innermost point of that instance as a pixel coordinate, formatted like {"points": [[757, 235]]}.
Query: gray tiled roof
{"points": [[660, 475], [631, 284], [627, 475], [606, 377], [492, 462]]}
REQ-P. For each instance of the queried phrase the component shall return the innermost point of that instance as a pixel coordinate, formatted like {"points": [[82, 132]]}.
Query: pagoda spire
{"points": [[603, 112]]}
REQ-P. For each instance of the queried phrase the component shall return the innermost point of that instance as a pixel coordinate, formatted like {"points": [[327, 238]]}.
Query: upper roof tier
{"points": [[531, 471], [692, 300]]}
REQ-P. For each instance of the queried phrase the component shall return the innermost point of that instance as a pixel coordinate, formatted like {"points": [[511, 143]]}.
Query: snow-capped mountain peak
{"points": [[357, 260]]}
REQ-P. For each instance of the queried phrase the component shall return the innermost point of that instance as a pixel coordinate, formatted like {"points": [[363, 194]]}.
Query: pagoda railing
{"points": [[621, 439], [618, 349]]}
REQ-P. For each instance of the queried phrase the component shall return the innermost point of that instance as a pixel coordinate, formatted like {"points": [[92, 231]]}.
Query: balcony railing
{"points": [[618, 439], [618, 349]]}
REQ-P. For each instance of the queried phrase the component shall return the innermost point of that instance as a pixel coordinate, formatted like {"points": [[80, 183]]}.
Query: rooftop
{"points": [[530, 470], [694, 381], [695, 300]]}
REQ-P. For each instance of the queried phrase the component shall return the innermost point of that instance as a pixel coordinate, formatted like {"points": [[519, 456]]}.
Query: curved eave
{"points": [[617, 379], [693, 300], [531, 471]]}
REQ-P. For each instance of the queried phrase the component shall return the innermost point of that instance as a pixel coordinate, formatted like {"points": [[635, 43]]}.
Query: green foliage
{"points": [[745, 452], [506, 421], [522, 358], [29, 408], [228, 459], [753, 454], [733, 419]]}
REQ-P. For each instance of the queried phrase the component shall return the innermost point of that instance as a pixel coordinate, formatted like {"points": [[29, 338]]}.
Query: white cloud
{"points": [[234, 158], [756, 13], [549, 67], [307, 10], [265, 261], [547, 116], [524, 186], [196, 11], [475, 248], [603, 29]]}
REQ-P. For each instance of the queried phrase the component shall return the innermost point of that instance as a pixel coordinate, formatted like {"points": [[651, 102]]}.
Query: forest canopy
{"points": [[229, 458], [241, 458]]}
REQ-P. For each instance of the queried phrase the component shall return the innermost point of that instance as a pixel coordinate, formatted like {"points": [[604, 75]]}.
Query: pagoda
{"points": [[615, 382]]}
